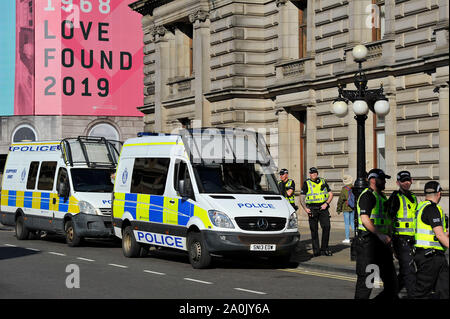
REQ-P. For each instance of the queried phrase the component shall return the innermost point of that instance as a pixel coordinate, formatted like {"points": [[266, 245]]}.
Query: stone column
{"points": [[289, 145], [441, 28], [390, 131], [287, 30], [283, 139], [444, 137], [352, 141], [311, 136], [162, 73], [201, 68], [359, 32]]}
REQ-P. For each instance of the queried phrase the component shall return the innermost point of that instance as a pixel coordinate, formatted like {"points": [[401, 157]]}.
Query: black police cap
{"points": [[377, 173], [432, 187], [404, 176]]}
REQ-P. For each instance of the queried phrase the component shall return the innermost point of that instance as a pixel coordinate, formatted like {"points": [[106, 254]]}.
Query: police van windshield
{"points": [[92, 180], [235, 178]]}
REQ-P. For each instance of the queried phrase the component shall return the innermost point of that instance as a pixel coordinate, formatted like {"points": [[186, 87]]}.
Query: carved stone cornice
{"points": [[157, 30], [199, 15]]}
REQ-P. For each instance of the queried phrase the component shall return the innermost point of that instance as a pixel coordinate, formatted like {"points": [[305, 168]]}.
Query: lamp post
{"points": [[363, 100]]}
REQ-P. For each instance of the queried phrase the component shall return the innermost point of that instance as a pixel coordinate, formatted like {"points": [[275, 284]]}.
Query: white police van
{"points": [[205, 191], [61, 187]]}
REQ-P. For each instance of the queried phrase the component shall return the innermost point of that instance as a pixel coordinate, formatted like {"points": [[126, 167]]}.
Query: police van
{"points": [[204, 191], [61, 187]]}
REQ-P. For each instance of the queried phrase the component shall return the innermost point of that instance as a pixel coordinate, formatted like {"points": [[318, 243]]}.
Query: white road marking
{"points": [[119, 266], [9, 245], [85, 259], [154, 272], [33, 249], [57, 254], [199, 281], [251, 291]]}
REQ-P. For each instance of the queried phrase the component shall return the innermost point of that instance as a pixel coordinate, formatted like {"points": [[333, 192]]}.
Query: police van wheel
{"points": [[130, 247], [72, 239], [22, 231], [199, 256]]}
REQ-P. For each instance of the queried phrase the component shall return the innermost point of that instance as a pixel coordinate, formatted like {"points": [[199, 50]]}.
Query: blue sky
{"points": [[7, 55]]}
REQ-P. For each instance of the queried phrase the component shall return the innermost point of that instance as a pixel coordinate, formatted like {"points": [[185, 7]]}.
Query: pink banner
{"points": [[88, 58], [24, 75]]}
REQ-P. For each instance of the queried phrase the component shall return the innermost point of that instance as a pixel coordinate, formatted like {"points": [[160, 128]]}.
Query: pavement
{"points": [[340, 261]]}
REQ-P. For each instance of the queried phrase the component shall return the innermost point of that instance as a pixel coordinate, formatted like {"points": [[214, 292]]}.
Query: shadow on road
{"points": [[15, 252]]}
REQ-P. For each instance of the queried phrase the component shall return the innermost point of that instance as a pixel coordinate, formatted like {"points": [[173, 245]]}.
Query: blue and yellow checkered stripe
{"points": [[39, 200], [158, 209]]}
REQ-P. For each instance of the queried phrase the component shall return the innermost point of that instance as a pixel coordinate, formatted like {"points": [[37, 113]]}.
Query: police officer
{"points": [[315, 199], [401, 206], [287, 187], [373, 241], [431, 243]]}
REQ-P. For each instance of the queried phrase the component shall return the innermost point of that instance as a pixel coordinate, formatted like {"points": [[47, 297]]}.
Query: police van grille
{"points": [[251, 223], [105, 211]]}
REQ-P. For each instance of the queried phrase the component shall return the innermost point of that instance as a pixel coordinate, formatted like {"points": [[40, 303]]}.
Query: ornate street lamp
{"points": [[363, 100]]}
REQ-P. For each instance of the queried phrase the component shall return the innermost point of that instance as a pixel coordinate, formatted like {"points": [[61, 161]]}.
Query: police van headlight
{"points": [[86, 208], [220, 219], [293, 221]]}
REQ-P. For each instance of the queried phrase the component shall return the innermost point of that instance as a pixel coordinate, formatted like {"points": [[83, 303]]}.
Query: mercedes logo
{"points": [[262, 224]]}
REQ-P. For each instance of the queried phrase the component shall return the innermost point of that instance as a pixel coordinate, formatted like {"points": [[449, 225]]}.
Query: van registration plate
{"points": [[262, 247]]}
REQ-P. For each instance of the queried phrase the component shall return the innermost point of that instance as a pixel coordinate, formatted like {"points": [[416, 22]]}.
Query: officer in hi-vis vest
{"points": [[287, 187], [401, 206], [315, 199], [373, 254], [431, 243]]}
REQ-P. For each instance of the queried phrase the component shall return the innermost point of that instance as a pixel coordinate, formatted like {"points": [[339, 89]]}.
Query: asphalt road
{"points": [[39, 269]]}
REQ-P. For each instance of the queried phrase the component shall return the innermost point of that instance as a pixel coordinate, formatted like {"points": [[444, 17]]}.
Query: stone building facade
{"points": [[274, 65]]}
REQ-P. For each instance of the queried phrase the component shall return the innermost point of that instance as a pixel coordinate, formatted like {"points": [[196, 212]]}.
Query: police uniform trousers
{"points": [[322, 216], [404, 250], [371, 251], [432, 274]]}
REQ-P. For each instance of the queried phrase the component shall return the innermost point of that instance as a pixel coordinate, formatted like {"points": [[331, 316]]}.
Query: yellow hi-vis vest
{"points": [[378, 215], [315, 193], [291, 198], [406, 214], [425, 236]]}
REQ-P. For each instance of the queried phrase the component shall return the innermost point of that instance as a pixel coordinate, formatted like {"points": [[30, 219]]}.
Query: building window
{"points": [[104, 130], [24, 133], [302, 21], [378, 20]]}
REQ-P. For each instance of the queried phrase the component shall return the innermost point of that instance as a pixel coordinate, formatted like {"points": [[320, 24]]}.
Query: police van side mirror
{"points": [[181, 188], [185, 190], [64, 190]]}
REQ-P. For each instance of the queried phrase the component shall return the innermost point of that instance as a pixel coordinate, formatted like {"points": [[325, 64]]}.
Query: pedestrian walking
{"points": [[315, 199], [431, 243], [287, 187], [373, 253], [401, 206], [346, 207]]}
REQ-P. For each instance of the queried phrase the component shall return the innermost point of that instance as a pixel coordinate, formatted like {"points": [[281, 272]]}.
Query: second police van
{"points": [[205, 191], [61, 187]]}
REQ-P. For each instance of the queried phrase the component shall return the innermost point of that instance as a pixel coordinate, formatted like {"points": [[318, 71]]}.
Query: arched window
{"points": [[105, 130], [24, 133]]}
